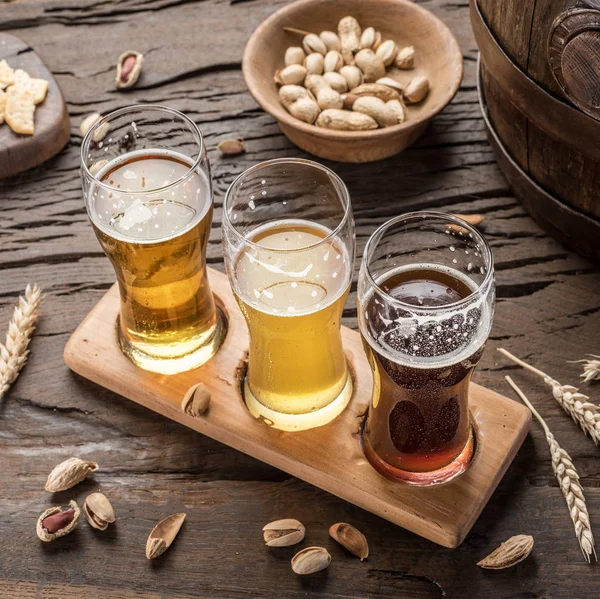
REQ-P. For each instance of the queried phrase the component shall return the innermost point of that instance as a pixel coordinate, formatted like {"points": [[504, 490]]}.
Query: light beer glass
{"points": [[148, 193], [425, 306], [288, 237]]}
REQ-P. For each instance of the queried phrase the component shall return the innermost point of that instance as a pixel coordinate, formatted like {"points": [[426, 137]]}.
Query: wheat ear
{"points": [[591, 368], [568, 480], [13, 354], [577, 405]]}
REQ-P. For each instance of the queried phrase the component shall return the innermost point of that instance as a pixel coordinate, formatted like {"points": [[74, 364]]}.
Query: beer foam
{"points": [[424, 333], [135, 201], [288, 269]]}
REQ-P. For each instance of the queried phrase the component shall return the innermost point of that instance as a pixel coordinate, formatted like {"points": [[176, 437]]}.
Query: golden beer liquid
{"points": [[157, 245], [292, 299]]}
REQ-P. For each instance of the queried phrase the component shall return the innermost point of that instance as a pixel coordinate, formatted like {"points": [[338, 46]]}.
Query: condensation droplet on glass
{"points": [[252, 205], [482, 270], [438, 328], [469, 267], [467, 252], [451, 248], [294, 285], [264, 193], [263, 182], [454, 260], [313, 294]]}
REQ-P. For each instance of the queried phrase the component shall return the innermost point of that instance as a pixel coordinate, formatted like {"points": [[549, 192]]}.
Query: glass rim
{"points": [[426, 214], [131, 108], [226, 221]]}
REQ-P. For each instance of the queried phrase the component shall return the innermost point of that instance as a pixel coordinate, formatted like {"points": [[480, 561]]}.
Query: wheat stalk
{"points": [[577, 405], [591, 368], [568, 480], [13, 354]]}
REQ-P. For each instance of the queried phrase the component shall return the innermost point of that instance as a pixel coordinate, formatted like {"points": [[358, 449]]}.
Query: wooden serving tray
{"points": [[329, 457]]}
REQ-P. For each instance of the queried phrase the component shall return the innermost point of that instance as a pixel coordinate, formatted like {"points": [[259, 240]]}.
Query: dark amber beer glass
{"points": [[288, 238], [426, 302], [148, 193]]}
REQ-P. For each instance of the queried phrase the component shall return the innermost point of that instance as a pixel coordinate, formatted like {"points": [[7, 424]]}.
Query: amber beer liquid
{"points": [[419, 418], [156, 241], [291, 288]]}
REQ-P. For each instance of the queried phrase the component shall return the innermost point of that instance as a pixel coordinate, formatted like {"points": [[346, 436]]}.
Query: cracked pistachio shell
{"points": [[311, 560], [350, 538], [163, 535], [283, 533], [98, 511], [68, 473]]}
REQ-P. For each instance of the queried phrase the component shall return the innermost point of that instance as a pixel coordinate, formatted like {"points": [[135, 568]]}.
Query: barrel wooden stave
{"points": [[522, 29]]}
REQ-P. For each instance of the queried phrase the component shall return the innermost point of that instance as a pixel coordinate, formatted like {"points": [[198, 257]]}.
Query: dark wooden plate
{"points": [[52, 125]]}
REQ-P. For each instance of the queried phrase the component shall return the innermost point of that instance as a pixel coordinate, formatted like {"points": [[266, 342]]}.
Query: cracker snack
{"points": [[19, 99]]}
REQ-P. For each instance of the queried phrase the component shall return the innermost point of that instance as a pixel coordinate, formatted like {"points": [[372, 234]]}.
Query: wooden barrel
{"points": [[540, 90]]}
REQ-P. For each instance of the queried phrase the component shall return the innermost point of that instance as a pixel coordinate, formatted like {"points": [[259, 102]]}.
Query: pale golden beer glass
{"points": [[148, 193], [288, 237]]}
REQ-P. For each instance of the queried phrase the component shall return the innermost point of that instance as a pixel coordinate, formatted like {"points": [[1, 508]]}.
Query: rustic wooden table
{"points": [[548, 308]]}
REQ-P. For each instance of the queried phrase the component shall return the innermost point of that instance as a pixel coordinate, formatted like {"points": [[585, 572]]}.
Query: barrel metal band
{"points": [[553, 116]]}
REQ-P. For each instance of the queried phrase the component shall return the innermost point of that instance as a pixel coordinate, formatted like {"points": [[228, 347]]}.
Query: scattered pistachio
{"points": [[283, 533], [68, 473], [98, 511], [350, 538], [311, 560], [163, 535], [197, 399]]}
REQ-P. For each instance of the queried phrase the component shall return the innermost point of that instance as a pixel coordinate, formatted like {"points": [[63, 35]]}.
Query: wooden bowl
{"points": [[437, 55]]}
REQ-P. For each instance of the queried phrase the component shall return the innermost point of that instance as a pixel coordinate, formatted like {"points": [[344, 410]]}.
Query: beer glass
{"points": [[425, 306], [288, 238], [148, 194]]}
